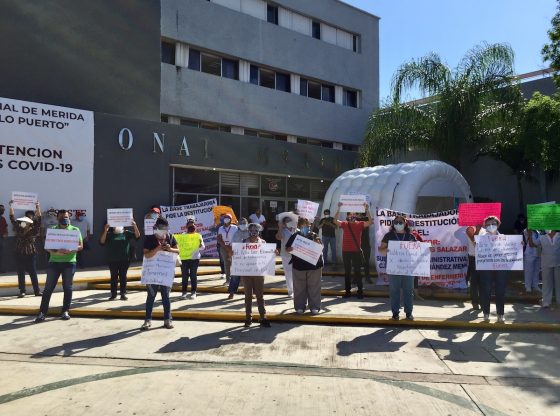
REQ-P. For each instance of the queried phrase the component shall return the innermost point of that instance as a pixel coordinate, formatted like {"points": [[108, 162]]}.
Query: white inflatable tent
{"points": [[417, 187]]}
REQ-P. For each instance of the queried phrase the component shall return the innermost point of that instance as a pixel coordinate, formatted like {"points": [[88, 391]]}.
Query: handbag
{"points": [[363, 257]]}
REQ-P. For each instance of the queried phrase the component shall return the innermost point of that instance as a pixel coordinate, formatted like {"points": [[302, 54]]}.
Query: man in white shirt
{"points": [[225, 235], [257, 218]]}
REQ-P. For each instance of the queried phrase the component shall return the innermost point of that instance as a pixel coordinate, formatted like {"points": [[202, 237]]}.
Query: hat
{"points": [[227, 214], [156, 210], [190, 218], [25, 219], [289, 214]]}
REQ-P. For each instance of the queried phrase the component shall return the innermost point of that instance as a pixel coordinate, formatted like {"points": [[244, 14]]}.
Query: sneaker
{"points": [[395, 317], [21, 295], [299, 311], [113, 297], [168, 324], [40, 318], [409, 317], [146, 325], [193, 295], [314, 311], [500, 319], [248, 322], [486, 317], [124, 297], [223, 275], [38, 294], [264, 323], [184, 295], [65, 316], [230, 296]]}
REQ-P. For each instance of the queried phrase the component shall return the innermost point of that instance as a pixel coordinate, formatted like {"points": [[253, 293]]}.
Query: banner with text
{"points": [[203, 212], [159, 269], [543, 216], [473, 214], [499, 252], [449, 257], [253, 259], [46, 149]]}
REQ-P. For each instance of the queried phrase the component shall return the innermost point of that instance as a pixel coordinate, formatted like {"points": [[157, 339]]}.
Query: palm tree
{"points": [[467, 106]]}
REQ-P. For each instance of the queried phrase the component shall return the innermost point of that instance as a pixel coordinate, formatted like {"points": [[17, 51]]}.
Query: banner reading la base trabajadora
{"points": [[449, 257], [46, 150]]}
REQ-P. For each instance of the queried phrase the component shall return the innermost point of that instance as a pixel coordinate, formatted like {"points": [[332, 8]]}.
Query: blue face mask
{"points": [[305, 230], [64, 221]]}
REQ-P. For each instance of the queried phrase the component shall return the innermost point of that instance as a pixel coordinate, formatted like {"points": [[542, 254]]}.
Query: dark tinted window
{"points": [[168, 53], [283, 82], [267, 78], [194, 59], [303, 86], [272, 14], [350, 98], [328, 93], [196, 181], [211, 64], [314, 90], [316, 30], [254, 77], [230, 68]]}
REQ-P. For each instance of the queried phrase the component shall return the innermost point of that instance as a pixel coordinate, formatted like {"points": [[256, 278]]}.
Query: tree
{"points": [[467, 106], [551, 51]]}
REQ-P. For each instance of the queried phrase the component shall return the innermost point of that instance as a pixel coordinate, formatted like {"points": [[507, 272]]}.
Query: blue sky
{"points": [[412, 28]]}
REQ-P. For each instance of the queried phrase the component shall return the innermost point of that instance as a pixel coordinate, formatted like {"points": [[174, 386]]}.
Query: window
{"points": [[272, 14], [350, 147], [266, 135], [230, 68], [302, 140], [298, 188], [249, 132], [314, 90], [194, 59], [190, 123], [211, 64], [327, 144], [168, 53], [230, 183], [316, 29], [281, 137], [273, 186], [350, 98], [314, 142], [254, 76], [227, 129], [355, 43], [209, 126], [267, 78], [164, 118], [282, 82], [327, 93], [303, 86], [197, 181]]}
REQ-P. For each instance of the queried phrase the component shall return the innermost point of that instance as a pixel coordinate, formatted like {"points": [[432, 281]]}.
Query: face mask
{"points": [[160, 233], [64, 221], [253, 233], [243, 227], [548, 231], [492, 228], [23, 224], [118, 230], [399, 227], [327, 214], [191, 228], [305, 230], [227, 220]]}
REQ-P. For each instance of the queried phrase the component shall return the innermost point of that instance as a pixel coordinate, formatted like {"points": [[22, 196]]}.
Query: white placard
{"points": [[119, 217], [253, 259], [306, 249], [499, 252], [307, 209], [352, 203], [24, 200], [149, 226], [273, 204], [47, 149], [60, 239], [159, 269], [408, 258]]}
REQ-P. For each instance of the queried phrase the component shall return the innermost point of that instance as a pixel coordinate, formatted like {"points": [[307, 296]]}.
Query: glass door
{"points": [[271, 207]]}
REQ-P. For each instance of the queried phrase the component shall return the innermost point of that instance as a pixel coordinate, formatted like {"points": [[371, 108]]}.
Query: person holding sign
{"points": [[161, 240], [190, 245], [117, 242], [240, 235], [473, 276], [352, 253], [531, 261], [225, 234], [399, 232], [286, 228], [28, 230], [307, 276], [61, 262], [550, 264], [328, 228]]}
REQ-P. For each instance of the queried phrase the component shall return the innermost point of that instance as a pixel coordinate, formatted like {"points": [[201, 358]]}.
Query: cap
{"points": [[156, 210]]}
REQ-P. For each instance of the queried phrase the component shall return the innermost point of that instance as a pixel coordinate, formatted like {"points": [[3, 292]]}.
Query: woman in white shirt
{"points": [[550, 265], [531, 261]]}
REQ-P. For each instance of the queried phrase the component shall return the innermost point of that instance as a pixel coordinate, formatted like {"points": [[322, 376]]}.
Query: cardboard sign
{"points": [[24, 200], [60, 239], [307, 209], [159, 269], [473, 214], [543, 216], [306, 249], [352, 203], [253, 259], [499, 252], [149, 226], [119, 217], [409, 258]]}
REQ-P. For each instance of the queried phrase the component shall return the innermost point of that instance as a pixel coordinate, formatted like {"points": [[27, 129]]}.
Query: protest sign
{"points": [[449, 258], [352, 203], [472, 214], [119, 217], [203, 212], [543, 216], [159, 269], [499, 252], [306, 249], [188, 245], [149, 226], [253, 259], [61, 239], [409, 258], [307, 209], [24, 200]]}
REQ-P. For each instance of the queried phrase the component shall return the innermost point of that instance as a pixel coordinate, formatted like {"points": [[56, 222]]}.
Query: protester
{"points": [[473, 276], [286, 228], [154, 213], [366, 248], [117, 241], [190, 258], [307, 276], [531, 261], [550, 265], [28, 230], [82, 223], [61, 262], [352, 254], [258, 218], [240, 235], [399, 231], [520, 224], [328, 228], [3, 236], [254, 284], [225, 234], [489, 278], [161, 240], [222, 263]]}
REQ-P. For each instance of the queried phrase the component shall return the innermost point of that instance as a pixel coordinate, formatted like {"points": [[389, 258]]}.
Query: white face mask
{"points": [[492, 228], [23, 224], [227, 221], [243, 227], [118, 230], [291, 224], [546, 231], [399, 227], [160, 233]]}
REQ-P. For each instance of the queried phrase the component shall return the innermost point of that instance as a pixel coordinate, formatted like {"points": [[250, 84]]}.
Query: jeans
{"points": [[189, 269], [152, 292], [54, 271], [329, 241], [118, 271], [498, 279], [222, 265], [352, 259], [396, 283], [234, 284], [532, 267], [27, 263], [473, 276]]}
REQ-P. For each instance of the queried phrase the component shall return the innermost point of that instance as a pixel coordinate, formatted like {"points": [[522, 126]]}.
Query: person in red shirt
{"points": [[352, 254]]}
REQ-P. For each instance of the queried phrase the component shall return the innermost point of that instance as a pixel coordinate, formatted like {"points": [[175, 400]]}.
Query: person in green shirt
{"points": [[117, 242], [61, 262]]}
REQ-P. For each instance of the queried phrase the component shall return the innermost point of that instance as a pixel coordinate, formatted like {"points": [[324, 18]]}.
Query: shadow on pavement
{"points": [[379, 341]]}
